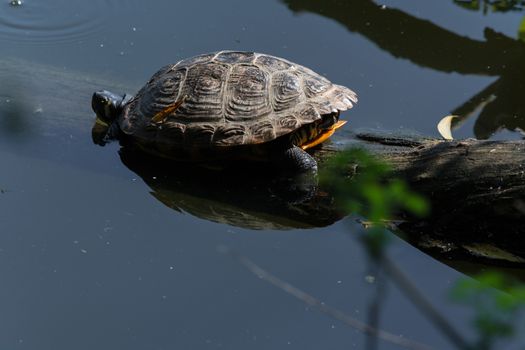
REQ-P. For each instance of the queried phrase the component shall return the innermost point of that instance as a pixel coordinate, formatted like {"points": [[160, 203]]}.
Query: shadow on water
{"points": [[16, 117], [404, 36]]}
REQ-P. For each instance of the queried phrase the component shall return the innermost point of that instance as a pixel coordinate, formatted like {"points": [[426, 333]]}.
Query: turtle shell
{"points": [[230, 98]]}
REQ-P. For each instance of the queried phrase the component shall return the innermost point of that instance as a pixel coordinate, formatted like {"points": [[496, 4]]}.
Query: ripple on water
{"points": [[57, 20]]}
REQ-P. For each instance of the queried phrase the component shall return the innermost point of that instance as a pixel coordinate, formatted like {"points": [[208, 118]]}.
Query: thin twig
{"points": [[422, 303], [374, 309], [323, 308]]}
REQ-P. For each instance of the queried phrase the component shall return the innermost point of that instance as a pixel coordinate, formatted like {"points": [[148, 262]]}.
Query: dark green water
{"points": [[89, 259]]}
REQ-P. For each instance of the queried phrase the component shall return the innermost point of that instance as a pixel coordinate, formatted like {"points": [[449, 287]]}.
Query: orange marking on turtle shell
{"points": [[161, 116]]}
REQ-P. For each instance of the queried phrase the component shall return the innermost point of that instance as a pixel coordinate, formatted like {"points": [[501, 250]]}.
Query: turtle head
{"points": [[108, 105]]}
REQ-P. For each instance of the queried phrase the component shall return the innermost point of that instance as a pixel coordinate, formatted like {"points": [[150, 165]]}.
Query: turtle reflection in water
{"points": [[230, 106], [253, 199]]}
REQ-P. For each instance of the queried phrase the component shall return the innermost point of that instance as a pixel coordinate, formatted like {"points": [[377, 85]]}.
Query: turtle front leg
{"points": [[298, 161]]}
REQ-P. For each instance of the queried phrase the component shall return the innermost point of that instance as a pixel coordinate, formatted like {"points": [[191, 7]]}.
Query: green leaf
{"points": [[469, 5], [498, 301]]}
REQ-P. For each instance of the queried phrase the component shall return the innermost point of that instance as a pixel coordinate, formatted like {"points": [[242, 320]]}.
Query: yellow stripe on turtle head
{"points": [[325, 135]]}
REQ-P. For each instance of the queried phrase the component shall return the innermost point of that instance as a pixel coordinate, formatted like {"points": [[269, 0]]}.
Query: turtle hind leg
{"points": [[296, 160], [300, 181]]}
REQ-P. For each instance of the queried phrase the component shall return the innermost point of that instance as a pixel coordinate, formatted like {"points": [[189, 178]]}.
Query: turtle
{"points": [[230, 105]]}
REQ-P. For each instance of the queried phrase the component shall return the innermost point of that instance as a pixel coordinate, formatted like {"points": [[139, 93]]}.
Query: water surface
{"points": [[89, 258]]}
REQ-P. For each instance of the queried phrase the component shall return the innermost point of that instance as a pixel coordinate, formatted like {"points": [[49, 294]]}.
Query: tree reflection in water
{"points": [[502, 104]]}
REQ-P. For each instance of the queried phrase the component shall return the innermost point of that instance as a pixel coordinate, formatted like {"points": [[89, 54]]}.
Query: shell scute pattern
{"points": [[315, 85], [262, 131], [230, 134], [325, 95], [234, 57], [203, 91], [288, 123], [199, 134], [342, 97], [247, 94], [272, 64], [192, 61], [159, 93], [233, 98], [286, 91], [322, 107], [309, 113], [175, 134]]}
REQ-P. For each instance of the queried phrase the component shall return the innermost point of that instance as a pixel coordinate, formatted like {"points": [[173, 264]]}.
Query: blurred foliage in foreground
{"points": [[498, 303], [362, 185], [521, 31], [492, 5]]}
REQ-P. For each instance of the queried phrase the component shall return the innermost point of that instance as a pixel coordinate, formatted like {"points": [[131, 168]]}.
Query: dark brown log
{"points": [[476, 190]]}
